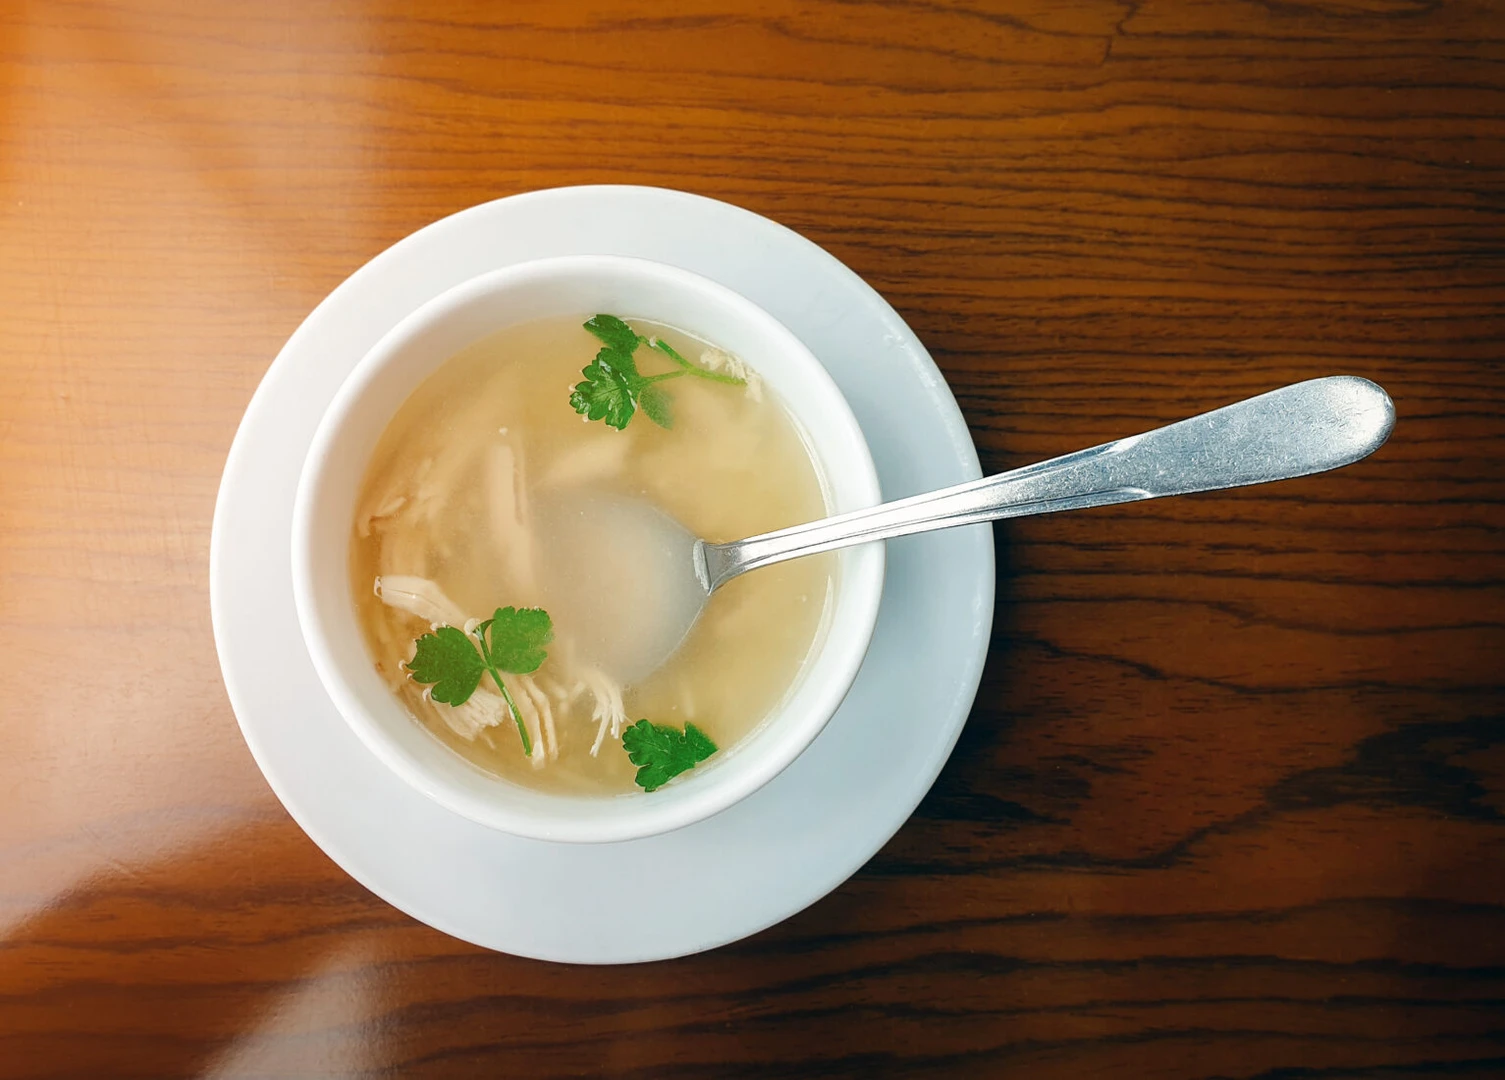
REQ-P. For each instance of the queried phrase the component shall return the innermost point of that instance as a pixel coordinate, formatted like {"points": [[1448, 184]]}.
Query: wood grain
{"points": [[1232, 800]]}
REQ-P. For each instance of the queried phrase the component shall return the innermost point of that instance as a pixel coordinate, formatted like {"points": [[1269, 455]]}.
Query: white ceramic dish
{"points": [[324, 513], [724, 878]]}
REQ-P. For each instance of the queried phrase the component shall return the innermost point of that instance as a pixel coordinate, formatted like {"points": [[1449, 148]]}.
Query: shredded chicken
{"points": [[718, 360], [536, 698], [540, 700], [483, 709], [521, 689], [606, 705], [590, 461], [381, 513], [509, 515], [418, 596]]}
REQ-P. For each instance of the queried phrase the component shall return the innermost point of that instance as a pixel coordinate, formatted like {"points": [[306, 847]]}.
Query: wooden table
{"points": [[1232, 800]]}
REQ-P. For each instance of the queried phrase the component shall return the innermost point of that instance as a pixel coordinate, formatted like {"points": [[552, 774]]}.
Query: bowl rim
{"points": [[859, 587]]}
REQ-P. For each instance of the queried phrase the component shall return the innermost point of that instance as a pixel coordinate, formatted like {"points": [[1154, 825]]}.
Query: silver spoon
{"points": [[1308, 427]]}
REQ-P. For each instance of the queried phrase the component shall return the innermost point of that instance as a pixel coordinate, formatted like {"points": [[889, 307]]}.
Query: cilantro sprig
{"points": [[662, 752], [614, 390], [452, 662]]}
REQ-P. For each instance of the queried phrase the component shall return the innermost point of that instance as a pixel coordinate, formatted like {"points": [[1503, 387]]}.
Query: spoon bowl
{"points": [[637, 580]]}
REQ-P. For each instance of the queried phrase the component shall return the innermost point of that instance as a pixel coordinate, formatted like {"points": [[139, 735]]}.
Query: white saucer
{"points": [[725, 878]]}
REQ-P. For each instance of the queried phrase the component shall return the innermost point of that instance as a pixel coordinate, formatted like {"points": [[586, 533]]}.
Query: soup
{"points": [[452, 528]]}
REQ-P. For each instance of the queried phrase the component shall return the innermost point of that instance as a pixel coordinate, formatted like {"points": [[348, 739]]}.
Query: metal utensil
{"points": [[1308, 427]]}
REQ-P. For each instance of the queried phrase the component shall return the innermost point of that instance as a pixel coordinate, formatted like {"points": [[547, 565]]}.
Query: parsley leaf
{"points": [[614, 391], [657, 406], [514, 639], [607, 393], [614, 333], [453, 661], [663, 752], [447, 658]]}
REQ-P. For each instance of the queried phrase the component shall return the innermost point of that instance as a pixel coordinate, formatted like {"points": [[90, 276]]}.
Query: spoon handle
{"points": [[1307, 427]]}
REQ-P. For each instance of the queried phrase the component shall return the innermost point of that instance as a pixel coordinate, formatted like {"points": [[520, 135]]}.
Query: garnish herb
{"points": [[613, 389], [452, 661], [662, 752]]}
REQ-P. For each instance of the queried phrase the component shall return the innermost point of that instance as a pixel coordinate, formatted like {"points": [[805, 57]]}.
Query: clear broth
{"points": [[734, 464]]}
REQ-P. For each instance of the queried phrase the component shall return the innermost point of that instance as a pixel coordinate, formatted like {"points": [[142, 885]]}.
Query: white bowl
{"points": [[324, 514]]}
